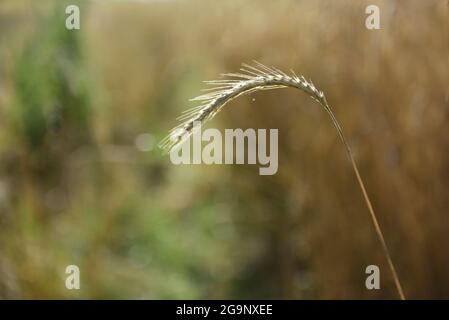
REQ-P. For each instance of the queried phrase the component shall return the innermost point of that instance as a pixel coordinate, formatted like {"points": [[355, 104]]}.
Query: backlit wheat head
{"points": [[250, 79]]}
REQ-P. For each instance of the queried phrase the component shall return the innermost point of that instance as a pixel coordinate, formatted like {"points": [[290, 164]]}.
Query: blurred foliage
{"points": [[47, 84], [82, 182]]}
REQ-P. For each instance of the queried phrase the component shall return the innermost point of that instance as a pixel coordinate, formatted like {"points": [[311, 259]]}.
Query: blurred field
{"points": [[82, 182]]}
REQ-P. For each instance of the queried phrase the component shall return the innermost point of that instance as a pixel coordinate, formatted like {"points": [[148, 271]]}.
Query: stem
{"points": [[367, 201]]}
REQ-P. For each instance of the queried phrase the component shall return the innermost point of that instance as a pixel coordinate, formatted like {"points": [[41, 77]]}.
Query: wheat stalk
{"points": [[261, 77]]}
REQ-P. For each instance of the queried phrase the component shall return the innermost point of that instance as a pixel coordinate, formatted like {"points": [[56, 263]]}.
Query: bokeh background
{"points": [[82, 181]]}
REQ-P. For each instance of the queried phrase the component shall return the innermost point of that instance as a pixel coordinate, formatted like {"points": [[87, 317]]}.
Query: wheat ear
{"points": [[255, 78]]}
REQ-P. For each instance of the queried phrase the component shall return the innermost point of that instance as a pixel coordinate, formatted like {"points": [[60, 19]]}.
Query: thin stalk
{"points": [[367, 201]]}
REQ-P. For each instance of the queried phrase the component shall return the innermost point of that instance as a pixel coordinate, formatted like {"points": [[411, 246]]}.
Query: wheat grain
{"points": [[255, 78], [250, 79]]}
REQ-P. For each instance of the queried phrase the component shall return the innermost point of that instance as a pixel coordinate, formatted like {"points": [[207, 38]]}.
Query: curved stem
{"points": [[367, 201]]}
